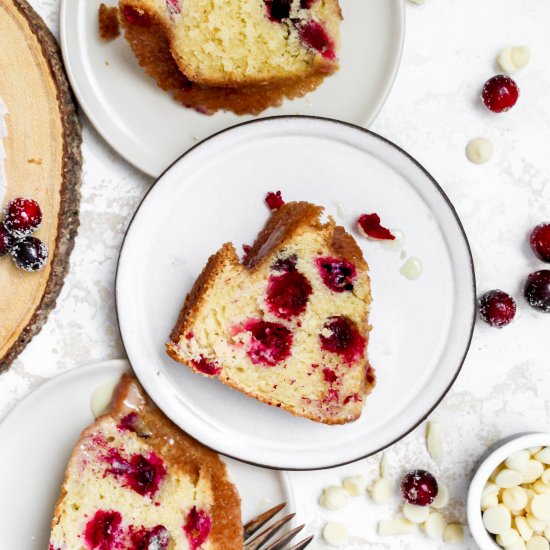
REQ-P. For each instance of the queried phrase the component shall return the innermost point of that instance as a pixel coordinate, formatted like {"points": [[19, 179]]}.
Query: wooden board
{"points": [[43, 162]]}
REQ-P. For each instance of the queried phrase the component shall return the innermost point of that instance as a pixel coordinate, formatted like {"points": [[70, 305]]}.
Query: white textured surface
{"points": [[433, 111]]}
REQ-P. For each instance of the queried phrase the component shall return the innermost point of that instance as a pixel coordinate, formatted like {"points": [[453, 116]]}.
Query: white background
{"points": [[432, 112]]}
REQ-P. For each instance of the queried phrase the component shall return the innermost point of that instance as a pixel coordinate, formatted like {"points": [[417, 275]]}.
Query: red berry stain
{"points": [[306, 4], [500, 93], [370, 225], [370, 376], [497, 308], [246, 250], [7, 240], [314, 35], [336, 273], [344, 338], [329, 375], [197, 527], [332, 395], [103, 531], [419, 487], [288, 294], [136, 17], [156, 538], [206, 367], [22, 217], [285, 264], [189, 335], [537, 290], [540, 241], [128, 422], [142, 474], [270, 343], [274, 200], [355, 397]]}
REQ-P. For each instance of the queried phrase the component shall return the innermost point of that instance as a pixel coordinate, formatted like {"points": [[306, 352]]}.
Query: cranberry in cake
{"points": [[137, 482], [289, 325]]}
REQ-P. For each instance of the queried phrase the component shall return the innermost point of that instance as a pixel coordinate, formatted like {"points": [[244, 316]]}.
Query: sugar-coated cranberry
{"points": [[103, 531], [270, 343], [285, 264], [419, 487], [277, 10], [274, 200], [30, 254], [340, 335], [206, 367], [136, 17], [22, 217], [7, 240], [500, 93], [197, 527], [369, 226], [336, 273], [316, 37], [540, 241], [156, 538], [537, 290], [288, 294], [497, 308]]}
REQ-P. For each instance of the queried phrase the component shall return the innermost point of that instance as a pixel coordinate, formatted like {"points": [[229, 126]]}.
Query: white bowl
{"points": [[494, 456]]}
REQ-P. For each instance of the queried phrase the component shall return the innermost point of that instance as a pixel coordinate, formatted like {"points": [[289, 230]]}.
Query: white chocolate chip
{"points": [[508, 537], [543, 455], [518, 461], [515, 498], [537, 543], [490, 489], [102, 397], [540, 506], [545, 477], [479, 150], [398, 526], [519, 545], [547, 533], [535, 523], [495, 472], [381, 491], [454, 533], [497, 519], [354, 485], [540, 487], [505, 60], [442, 498], [384, 465], [521, 55], [508, 478], [490, 501], [335, 533], [533, 472], [525, 532], [334, 498], [435, 525], [512, 59], [416, 514], [434, 439]]}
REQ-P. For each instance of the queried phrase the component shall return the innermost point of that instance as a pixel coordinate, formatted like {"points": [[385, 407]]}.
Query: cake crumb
{"points": [[109, 27]]}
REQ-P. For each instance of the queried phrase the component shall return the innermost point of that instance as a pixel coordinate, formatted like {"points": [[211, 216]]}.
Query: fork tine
{"points": [[258, 522], [279, 544], [303, 544], [268, 533]]}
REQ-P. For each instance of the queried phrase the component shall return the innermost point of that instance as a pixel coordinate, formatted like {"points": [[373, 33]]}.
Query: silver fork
{"points": [[267, 534]]}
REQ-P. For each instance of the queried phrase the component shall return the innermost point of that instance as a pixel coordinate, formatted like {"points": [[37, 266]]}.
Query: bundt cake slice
{"points": [[135, 481], [245, 42], [288, 326]]}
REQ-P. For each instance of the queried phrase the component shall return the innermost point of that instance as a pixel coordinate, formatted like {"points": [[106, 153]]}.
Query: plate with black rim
{"points": [[214, 194], [112, 88]]}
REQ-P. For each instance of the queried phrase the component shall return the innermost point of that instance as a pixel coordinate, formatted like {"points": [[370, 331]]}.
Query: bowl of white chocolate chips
{"points": [[509, 497]]}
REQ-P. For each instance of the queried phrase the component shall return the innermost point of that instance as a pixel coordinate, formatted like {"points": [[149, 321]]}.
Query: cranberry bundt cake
{"points": [[137, 482], [289, 326]]}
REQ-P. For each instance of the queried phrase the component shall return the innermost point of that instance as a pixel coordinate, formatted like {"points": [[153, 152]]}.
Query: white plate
{"points": [[38, 437], [150, 130], [215, 193]]}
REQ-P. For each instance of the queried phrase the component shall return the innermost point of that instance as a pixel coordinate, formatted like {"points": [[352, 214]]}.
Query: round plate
{"points": [[38, 437], [215, 193], [112, 88]]}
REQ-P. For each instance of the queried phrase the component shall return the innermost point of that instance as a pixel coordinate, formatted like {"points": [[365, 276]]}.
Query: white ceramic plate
{"points": [[38, 437], [150, 130], [215, 193]]}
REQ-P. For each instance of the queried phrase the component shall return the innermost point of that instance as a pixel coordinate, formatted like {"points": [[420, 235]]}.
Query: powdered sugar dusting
{"points": [[3, 134]]}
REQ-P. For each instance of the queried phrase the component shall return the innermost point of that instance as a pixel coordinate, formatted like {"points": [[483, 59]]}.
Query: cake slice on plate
{"points": [[289, 326], [135, 481]]}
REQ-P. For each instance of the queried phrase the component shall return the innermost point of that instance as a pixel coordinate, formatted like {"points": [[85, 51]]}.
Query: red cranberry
{"points": [[500, 93], [419, 487], [206, 367], [274, 200], [329, 375], [197, 527], [340, 335], [369, 226], [270, 342], [156, 538], [314, 35], [288, 294], [355, 397], [306, 4], [128, 422], [497, 308], [103, 530], [337, 274], [540, 241], [277, 10], [537, 290], [136, 17], [30, 254], [6, 241], [22, 217], [285, 264]]}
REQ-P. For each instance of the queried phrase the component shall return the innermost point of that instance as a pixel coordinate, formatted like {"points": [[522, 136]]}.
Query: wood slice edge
{"points": [[68, 217]]}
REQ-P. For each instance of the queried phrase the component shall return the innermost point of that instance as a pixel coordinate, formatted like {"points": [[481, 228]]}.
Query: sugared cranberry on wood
{"points": [[7, 240], [22, 217], [497, 308], [30, 254]]}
